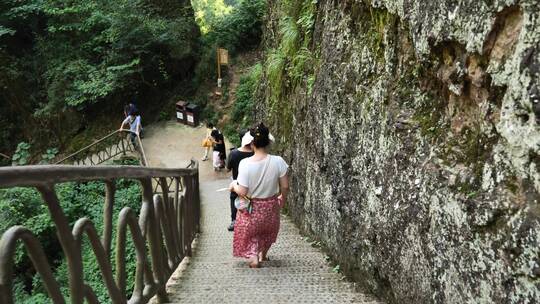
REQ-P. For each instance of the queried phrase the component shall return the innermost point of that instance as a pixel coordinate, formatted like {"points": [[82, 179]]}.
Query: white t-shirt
{"points": [[133, 123], [250, 175]]}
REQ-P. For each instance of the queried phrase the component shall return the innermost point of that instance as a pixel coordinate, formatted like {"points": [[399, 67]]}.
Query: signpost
{"points": [[222, 59]]}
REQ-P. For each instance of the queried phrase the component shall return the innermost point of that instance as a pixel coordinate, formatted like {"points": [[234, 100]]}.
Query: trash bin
{"points": [[192, 115], [181, 111]]}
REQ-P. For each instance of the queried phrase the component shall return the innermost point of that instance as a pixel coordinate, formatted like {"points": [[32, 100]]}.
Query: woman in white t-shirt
{"points": [[263, 180], [133, 120]]}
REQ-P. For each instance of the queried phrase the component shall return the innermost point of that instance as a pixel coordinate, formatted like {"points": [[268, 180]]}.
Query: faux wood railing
{"points": [[166, 225], [117, 143]]}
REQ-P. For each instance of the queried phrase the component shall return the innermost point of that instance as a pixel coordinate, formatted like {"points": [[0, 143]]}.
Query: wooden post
{"points": [[218, 64]]}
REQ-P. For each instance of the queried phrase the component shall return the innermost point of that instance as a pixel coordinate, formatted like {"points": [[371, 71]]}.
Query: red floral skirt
{"points": [[256, 231]]}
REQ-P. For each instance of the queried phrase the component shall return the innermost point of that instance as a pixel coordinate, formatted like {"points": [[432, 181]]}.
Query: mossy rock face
{"points": [[414, 149]]}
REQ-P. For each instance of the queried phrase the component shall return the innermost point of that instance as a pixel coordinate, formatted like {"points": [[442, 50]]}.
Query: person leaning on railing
{"points": [[133, 120]]}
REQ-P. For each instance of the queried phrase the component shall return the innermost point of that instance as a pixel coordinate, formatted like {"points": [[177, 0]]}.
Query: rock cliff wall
{"points": [[413, 132]]}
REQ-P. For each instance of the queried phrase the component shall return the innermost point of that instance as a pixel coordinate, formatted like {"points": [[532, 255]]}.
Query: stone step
{"points": [[296, 273]]}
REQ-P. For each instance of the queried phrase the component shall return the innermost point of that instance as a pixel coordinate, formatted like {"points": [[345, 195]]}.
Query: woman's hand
{"points": [[281, 201], [231, 185]]}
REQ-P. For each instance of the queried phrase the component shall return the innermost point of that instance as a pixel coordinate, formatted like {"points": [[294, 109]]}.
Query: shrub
{"points": [[24, 206], [238, 31], [242, 112], [22, 154]]}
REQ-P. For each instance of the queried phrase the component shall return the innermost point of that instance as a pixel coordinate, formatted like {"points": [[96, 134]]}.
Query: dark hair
{"points": [[241, 134], [209, 125], [260, 135], [131, 109]]}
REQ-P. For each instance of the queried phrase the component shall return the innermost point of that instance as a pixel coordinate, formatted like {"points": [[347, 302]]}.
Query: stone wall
{"points": [[414, 140]]}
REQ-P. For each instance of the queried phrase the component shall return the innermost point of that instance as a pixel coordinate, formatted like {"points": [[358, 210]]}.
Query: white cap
{"points": [[247, 139]]}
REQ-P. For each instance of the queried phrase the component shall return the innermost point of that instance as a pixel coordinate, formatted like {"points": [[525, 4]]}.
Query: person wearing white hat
{"points": [[236, 155]]}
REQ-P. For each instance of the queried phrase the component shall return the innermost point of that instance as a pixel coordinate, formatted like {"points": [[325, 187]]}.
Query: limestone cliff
{"points": [[413, 132]]}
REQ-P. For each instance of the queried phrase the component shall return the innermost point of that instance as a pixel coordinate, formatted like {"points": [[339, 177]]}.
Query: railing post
{"points": [[174, 216], [110, 189], [167, 223], [73, 256], [156, 242], [123, 145], [188, 217], [197, 202]]}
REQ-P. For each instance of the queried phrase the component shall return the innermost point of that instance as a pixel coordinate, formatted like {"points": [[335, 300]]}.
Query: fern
{"points": [[289, 36], [274, 69], [299, 63]]}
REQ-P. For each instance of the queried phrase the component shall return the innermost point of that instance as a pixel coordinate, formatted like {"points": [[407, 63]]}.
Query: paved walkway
{"points": [[296, 272]]}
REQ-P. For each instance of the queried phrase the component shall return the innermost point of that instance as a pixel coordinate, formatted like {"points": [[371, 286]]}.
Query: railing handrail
{"points": [[166, 224], [28, 176], [144, 161], [162, 232]]}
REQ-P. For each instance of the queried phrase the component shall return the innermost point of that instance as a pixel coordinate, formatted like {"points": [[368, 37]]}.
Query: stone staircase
{"points": [[296, 272]]}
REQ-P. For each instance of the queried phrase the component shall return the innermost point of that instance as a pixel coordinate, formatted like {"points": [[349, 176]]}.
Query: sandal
{"points": [[261, 259]]}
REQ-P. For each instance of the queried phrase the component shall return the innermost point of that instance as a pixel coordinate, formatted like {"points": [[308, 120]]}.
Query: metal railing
{"points": [[119, 142], [162, 233]]}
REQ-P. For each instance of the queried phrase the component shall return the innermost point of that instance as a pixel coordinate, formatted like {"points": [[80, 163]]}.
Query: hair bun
{"points": [[260, 135]]}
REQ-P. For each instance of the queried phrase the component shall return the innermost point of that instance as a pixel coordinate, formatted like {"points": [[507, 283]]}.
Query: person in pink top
{"points": [[263, 182]]}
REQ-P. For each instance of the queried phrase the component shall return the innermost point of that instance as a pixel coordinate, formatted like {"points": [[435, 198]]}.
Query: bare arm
{"points": [[125, 123], [240, 190], [284, 187]]}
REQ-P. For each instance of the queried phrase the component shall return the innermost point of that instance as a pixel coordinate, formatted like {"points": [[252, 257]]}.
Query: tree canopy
{"points": [[59, 57]]}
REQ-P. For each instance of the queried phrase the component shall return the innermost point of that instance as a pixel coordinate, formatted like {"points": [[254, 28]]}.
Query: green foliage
{"points": [[242, 112], [293, 55], [208, 13], [24, 206], [379, 19], [239, 30], [290, 35], [82, 59], [123, 34], [22, 154], [275, 65], [6, 31], [293, 62], [49, 155], [242, 28], [164, 115]]}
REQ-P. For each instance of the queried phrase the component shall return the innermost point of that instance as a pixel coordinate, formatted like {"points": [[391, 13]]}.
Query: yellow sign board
{"points": [[223, 56]]}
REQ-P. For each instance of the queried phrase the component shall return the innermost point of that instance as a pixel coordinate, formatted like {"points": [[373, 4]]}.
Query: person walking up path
{"points": [[207, 141], [219, 155]]}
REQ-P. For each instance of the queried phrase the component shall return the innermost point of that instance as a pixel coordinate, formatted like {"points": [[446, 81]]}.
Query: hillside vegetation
{"points": [[66, 66]]}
